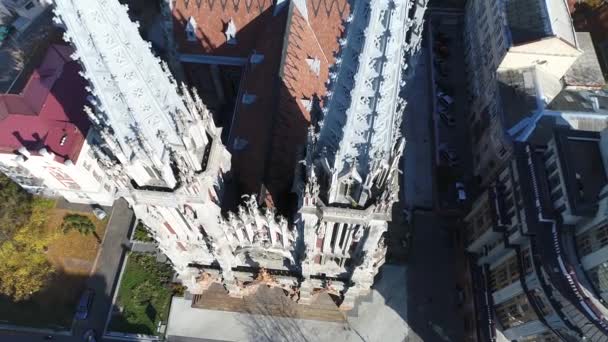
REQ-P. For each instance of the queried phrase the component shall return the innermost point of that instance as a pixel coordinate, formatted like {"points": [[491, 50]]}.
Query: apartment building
{"points": [[537, 241], [45, 141], [501, 36]]}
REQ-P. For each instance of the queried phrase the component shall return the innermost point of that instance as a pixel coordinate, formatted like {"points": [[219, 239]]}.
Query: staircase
{"points": [[269, 301]]}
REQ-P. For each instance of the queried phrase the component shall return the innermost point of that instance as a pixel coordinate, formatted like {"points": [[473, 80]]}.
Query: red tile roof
{"points": [[212, 16], [298, 82], [48, 109], [275, 124], [254, 122]]}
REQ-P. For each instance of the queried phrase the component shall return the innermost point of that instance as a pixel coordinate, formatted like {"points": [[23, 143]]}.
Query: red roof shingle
{"points": [[275, 124], [48, 113]]}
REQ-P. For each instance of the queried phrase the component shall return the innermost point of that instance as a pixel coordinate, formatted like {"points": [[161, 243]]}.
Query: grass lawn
{"points": [[144, 295], [72, 256], [74, 253]]}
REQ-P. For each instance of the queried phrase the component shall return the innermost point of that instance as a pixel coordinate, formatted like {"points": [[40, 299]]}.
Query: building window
{"points": [[547, 336], [96, 176], [515, 311], [592, 240], [599, 277], [506, 273]]}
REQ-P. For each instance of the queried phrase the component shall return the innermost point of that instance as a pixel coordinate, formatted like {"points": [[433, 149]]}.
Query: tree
{"points": [[81, 223], [15, 208], [24, 269]]}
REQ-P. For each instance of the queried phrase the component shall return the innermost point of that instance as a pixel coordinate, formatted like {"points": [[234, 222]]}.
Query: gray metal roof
{"points": [[586, 71], [518, 95], [581, 101]]}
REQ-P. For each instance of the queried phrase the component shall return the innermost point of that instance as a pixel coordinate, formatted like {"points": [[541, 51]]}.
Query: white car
{"points": [[99, 213], [89, 336], [461, 193]]}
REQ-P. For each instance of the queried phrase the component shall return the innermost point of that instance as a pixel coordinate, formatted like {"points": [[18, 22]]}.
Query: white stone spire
{"points": [[362, 120], [137, 98]]}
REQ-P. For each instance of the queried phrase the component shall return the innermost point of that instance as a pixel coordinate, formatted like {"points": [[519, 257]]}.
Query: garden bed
{"points": [[144, 296]]}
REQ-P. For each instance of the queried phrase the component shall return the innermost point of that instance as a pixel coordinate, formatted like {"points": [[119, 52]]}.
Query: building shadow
{"points": [[267, 136], [53, 308]]}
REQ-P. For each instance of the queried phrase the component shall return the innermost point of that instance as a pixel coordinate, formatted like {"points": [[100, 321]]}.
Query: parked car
{"points": [[82, 311], [449, 155], [446, 117], [99, 213], [460, 192], [89, 336], [444, 98]]}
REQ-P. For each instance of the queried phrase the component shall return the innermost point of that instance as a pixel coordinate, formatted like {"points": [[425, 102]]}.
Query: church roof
{"points": [[298, 47], [48, 112]]}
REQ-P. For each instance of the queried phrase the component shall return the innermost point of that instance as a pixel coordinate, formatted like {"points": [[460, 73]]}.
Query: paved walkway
{"points": [[109, 262], [378, 318]]}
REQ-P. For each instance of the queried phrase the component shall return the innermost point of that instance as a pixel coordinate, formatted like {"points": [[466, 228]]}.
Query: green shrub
{"points": [[81, 223], [142, 234]]}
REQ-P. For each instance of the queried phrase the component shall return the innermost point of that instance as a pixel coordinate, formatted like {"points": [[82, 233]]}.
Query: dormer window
{"points": [[306, 103], [230, 32], [314, 64], [191, 30]]}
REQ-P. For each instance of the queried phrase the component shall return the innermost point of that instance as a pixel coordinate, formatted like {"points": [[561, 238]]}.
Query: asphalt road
{"points": [[103, 280], [431, 283]]}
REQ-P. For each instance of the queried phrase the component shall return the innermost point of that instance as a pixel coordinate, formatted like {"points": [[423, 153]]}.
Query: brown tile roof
{"points": [[326, 20], [253, 122], [275, 124], [298, 82], [212, 16]]}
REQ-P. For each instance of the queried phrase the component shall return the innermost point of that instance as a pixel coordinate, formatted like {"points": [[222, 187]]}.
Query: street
{"points": [[102, 281], [445, 54], [431, 282], [432, 263]]}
